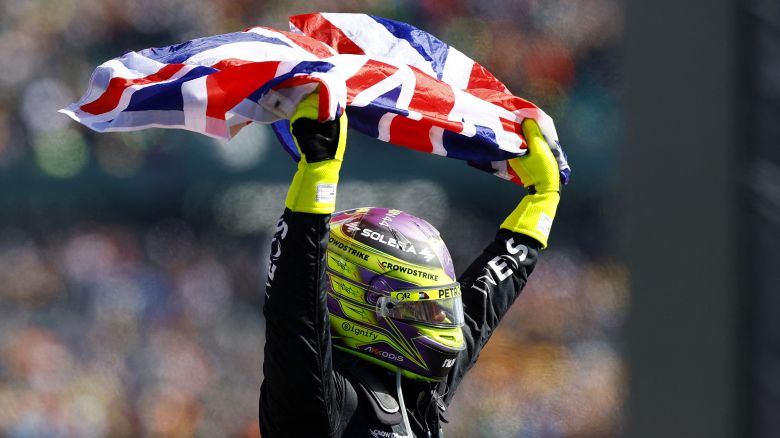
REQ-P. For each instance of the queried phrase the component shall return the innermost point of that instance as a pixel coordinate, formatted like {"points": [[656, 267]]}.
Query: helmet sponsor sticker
{"points": [[449, 292], [396, 243], [382, 353], [340, 263], [348, 249], [404, 246], [442, 292], [346, 288], [359, 331], [407, 270], [352, 227]]}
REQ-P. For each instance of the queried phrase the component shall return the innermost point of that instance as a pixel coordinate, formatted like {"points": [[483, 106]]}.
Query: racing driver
{"points": [[368, 330]]}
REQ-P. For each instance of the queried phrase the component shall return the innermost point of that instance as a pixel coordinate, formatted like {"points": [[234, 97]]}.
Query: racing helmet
{"points": [[392, 294]]}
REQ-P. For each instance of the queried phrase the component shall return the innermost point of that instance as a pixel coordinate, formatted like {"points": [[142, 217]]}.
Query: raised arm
{"points": [[298, 394], [494, 280]]}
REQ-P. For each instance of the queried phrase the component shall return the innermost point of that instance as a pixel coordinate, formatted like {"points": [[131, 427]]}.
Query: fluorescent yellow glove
{"points": [[539, 172], [313, 188]]}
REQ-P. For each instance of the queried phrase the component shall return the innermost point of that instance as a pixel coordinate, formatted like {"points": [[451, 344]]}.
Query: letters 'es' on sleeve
{"points": [[490, 285]]}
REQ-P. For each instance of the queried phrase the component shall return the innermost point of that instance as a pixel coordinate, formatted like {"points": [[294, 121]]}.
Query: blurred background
{"points": [[132, 265]]}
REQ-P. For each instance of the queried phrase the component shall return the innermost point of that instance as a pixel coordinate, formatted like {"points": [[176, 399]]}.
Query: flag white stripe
{"points": [[384, 126], [376, 40], [250, 51], [436, 134], [195, 99], [457, 69], [272, 34], [403, 76], [130, 66]]}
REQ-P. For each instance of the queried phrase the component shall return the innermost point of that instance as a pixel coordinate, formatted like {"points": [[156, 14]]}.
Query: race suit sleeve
{"points": [[300, 396], [490, 285]]}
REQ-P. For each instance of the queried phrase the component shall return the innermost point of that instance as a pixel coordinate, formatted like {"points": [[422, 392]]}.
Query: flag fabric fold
{"points": [[397, 83]]}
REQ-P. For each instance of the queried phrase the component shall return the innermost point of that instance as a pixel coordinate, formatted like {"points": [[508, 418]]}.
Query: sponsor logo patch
{"points": [[376, 433], [407, 270], [359, 331], [501, 267], [346, 248], [383, 354], [450, 292], [395, 243]]}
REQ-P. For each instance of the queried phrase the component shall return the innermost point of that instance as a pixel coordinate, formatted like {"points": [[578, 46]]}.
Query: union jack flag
{"points": [[397, 83]]}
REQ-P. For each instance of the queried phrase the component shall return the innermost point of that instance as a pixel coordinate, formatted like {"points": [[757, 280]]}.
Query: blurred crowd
{"points": [[132, 265], [112, 331]]}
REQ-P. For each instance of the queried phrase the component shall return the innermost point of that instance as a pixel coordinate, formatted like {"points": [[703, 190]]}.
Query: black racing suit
{"points": [[312, 390]]}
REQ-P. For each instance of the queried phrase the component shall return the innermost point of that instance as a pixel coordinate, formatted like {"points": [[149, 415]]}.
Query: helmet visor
{"points": [[440, 306]]}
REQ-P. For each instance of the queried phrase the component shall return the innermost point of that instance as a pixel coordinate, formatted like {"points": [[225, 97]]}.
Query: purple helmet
{"points": [[393, 298]]}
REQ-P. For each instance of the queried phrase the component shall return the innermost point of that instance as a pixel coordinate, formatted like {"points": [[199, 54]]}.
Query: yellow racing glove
{"points": [[539, 172], [321, 145]]}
